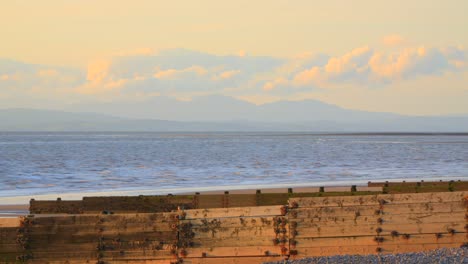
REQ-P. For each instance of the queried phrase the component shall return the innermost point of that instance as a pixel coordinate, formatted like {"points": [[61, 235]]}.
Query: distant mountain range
{"points": [[220, 113], [224, 108]]}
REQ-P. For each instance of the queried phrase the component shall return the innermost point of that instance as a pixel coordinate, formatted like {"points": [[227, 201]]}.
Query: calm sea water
{"points": [[43, 163]]}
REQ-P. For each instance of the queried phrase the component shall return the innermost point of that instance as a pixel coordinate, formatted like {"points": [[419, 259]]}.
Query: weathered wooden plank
{"points": [[138, 245], [407, 198], [265, 199], [365, 210], [209, 201], [232, 251], [56, 206], [103, 242], [240, 200], [87, 229], [119, 255], [137, 203], [64, 247], [371, 229], [143, 261], [418, 183], [90, 237], [9, 247], [149, 261], [7, 233], [72, 261], [433, 217], [233, 242], [10, 257], [71, 255], [104, 224], [233, 212], [135, 239], [398, 239], [65, 219], [386, 219], [231, 222], [245, 232], [101, 218]]}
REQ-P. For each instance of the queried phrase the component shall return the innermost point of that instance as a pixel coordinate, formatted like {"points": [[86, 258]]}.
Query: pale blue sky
{"points": [[398, 56]]}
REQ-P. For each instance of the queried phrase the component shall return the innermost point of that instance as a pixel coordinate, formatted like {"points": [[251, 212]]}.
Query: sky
{"points": [[407, 57]]}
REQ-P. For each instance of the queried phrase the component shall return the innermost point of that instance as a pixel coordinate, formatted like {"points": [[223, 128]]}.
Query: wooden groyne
{"points": [[301, 227], [168, 203]]}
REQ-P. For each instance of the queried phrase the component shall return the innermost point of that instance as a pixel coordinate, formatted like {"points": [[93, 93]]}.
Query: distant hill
{"points": [[221, 113], [224, 108]]}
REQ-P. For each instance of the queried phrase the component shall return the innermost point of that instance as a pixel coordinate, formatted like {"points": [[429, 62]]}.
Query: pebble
{"points": [[439, 256]]}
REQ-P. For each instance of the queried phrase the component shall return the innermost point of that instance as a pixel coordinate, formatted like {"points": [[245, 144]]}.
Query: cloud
{"points": [[5, 77], [225, 75], [173, 73], [393, 40], [99, 78], [20, 76], [166, 74], [408, 63], [456, 56], [275, 83], [98, 71], [47, 73], [241, 53], [348, 62], [185, 74], [115, 83], [343, 68], [307, 76], [368, 67]]}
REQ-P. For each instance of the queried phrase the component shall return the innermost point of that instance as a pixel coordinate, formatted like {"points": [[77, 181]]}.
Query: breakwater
{"points": [[303, 226]]}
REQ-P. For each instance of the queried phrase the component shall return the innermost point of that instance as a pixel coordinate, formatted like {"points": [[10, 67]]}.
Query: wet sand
{"points": [[12, 210]]}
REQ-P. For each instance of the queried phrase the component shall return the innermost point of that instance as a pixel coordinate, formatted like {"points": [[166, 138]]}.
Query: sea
{"points": [[35, 164]]}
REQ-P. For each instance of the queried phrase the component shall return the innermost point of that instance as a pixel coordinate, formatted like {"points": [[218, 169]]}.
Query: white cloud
{"points": [[408, 63], [268, 86], [225, 75], [100, 79], [307, 76], [185, 74], [351, 61], [98, 71], [366, 66], [174, 73]]}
